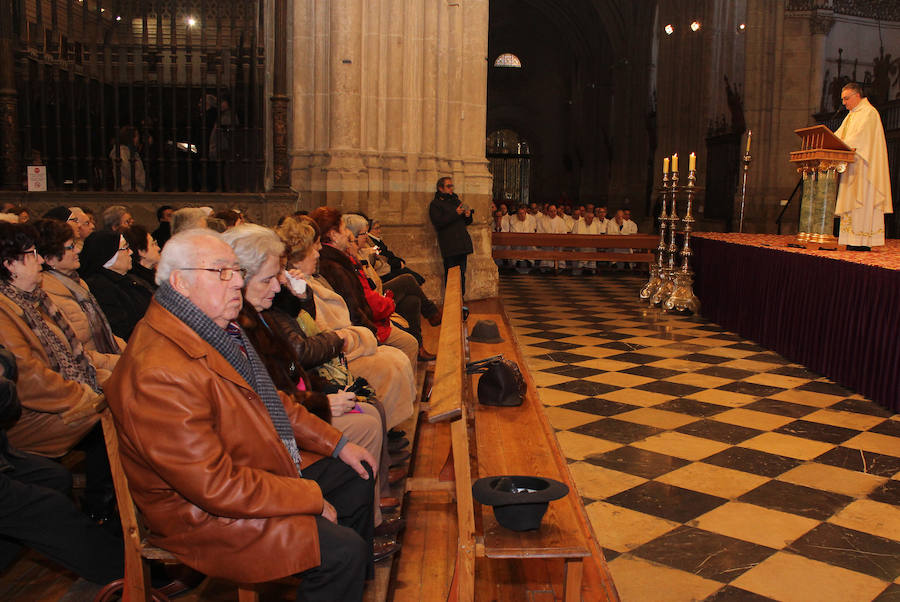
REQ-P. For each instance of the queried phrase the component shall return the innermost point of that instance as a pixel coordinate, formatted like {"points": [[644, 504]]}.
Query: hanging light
{"points": [[669, 29], [695, 25]]}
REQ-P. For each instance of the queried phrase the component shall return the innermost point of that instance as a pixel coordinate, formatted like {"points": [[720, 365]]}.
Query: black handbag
{"points": [[501, 382]]}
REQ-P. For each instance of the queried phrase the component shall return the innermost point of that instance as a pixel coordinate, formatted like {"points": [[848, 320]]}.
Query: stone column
{"points": [[388, 96], [820, 24], [280, 101]]}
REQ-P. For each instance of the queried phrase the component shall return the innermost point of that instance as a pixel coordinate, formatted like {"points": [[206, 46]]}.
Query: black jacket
{"points": [[123, 298], [453, 238]]}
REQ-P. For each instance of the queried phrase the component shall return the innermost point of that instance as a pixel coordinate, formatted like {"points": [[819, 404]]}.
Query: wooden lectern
{"points": [[822, 156]]}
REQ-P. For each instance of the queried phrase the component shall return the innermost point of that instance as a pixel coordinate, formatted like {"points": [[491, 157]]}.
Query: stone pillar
{"points": [[280, 101], [820, 24], [389, 95]]}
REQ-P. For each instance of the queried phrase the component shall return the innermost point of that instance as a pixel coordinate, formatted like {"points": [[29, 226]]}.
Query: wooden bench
{"points": [[488, 441], [567, 247]]}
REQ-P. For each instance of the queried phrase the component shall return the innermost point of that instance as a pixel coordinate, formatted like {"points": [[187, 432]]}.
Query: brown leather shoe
{"points": [[384, 548], [390, 525], [424, 356]]}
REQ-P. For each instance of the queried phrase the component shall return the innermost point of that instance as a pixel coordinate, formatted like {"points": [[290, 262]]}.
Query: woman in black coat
{"points": [[105, 262]]}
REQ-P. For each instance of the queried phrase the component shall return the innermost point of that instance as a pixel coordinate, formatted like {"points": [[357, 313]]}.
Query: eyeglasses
{"points": [[851, 95], [225, 274], [31, 251], [69, 247], [125, 248]]}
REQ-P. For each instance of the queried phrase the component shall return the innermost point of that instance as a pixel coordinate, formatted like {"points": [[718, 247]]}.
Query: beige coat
{"points": [[63, 298], [48, 400], [386, 368]]}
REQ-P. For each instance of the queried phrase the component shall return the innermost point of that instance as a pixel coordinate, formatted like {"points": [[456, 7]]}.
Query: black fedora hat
{"points": [[519, 502], [502, 384], [485, 331]]}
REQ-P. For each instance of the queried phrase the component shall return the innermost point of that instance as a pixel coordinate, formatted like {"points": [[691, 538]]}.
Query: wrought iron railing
{"points": [[142, 95]]}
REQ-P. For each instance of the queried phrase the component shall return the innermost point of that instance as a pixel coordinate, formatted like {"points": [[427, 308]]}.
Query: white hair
{"points": [[355, 223], [187, 218], [182, 251], [253, 244]]}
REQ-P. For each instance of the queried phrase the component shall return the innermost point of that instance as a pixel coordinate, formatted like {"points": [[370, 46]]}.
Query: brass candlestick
{"points": [[667, 272], [683, 298], [657, 268], [746, 161]]}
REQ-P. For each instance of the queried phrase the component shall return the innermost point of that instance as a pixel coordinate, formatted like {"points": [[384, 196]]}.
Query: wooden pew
{"points": [[570, 246], [519, 440], [487, 560]]}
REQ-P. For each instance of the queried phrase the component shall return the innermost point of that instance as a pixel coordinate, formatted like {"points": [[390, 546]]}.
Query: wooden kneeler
{"points": [[136, 584]]}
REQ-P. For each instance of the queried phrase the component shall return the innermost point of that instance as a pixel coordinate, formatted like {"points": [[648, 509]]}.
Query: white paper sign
{"points": [[37, 178]]}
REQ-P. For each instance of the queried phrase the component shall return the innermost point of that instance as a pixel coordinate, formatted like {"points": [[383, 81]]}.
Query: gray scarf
{"points": [[249, 366]]}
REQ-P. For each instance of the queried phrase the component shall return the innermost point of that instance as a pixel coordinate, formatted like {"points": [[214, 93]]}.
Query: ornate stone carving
{"points": [[281, 167], [821, 22]]}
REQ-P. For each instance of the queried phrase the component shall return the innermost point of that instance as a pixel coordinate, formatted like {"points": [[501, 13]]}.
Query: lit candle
{"points": [[675, 162], [692, 164], [665, 165], [749, 135]]}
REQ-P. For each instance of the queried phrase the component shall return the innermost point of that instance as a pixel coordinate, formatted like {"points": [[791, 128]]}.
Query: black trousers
{"points": [[454, 260], [35, 512], [345, 548], [410, 302]]}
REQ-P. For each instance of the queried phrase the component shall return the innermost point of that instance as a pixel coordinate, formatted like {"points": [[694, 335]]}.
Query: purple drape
{"points": [[837, 318]]}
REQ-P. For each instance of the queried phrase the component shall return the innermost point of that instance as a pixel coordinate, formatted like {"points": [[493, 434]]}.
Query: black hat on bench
{"points": [[519, 502], [485, 331]]}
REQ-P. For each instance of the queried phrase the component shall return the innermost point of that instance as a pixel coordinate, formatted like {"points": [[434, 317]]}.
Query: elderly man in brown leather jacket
{"points": [[233, 477]]}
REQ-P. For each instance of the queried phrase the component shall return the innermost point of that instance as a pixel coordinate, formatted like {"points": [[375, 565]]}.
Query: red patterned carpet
{"points": [[887, 257]]}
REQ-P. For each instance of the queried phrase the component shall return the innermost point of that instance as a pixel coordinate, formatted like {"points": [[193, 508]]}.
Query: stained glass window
{"points": [[507, 59]]}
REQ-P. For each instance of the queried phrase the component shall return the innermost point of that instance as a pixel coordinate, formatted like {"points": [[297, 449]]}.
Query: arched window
{"points": [[508, 59], [510, 163]]}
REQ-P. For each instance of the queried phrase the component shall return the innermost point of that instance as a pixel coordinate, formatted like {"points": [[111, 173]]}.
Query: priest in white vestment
{"points": [[587, 225], [524, 222], [864, 194], [551, 224]]}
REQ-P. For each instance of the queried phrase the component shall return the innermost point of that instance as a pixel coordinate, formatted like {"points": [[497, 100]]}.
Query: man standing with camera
{"points": [[450, 217]]}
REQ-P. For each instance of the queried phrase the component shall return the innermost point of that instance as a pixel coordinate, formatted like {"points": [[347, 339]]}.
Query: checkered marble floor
{"points": [[710, 467]]}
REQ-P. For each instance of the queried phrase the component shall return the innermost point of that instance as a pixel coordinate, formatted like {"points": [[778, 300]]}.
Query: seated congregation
{"points": [[255, 376], [550, 218]]}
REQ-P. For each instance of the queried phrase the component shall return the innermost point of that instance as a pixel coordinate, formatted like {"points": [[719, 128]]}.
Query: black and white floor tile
{"points": [[710, 467]]}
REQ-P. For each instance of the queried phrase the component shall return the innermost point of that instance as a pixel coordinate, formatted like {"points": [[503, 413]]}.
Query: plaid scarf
{"points": [[249, 366], [100, 329], [69, 360]]}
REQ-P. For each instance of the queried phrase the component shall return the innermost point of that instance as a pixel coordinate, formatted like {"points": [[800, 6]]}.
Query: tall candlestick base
{"points": [[683, 299], [667, 270], [657, 268]]}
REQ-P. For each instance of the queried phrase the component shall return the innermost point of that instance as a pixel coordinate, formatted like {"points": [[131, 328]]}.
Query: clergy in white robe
{"points": [[551, 224], [587, 225], [864, 193], [524, 222]]}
